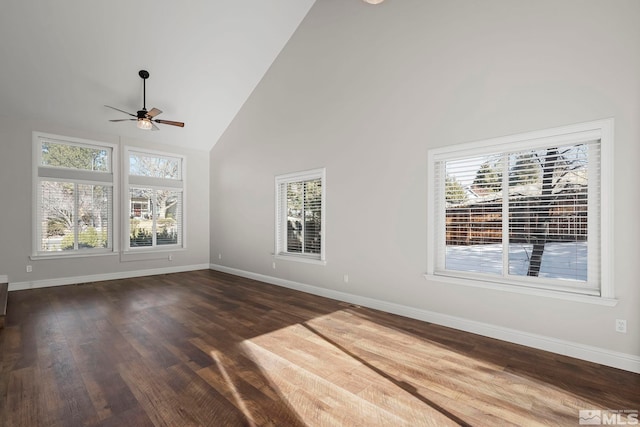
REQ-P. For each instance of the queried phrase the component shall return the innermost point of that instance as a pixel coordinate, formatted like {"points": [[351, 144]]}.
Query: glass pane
{"points": [[312, 216], [57, 216], [154, 166], [94, 205], [474, 215], [75, 156], [548, 213], [169, 213], [294, 216], [141, 217]]}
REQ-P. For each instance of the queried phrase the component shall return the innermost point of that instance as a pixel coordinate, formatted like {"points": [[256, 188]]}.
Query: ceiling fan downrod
{"points": [[144, 74]]}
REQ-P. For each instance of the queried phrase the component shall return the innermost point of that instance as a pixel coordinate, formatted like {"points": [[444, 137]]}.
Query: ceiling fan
{"points": [[146, 119]]}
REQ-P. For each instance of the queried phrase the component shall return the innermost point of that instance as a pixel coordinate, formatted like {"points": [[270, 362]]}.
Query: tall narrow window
{"points": [[525, 210], [155, 200], [74, 194], [300, 215]]}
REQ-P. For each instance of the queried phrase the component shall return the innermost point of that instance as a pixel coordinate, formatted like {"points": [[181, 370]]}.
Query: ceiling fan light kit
{"points": [[145, 119], [145, 124]]}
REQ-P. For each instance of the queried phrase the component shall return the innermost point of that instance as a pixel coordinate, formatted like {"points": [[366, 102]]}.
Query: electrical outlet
{"points": [[29, 269], [170, 257], [621, 326], [273, 265], [219, 256], [346, 278]]}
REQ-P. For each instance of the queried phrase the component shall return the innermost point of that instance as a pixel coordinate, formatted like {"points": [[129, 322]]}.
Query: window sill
{"points": [[148, 254], [61, 255], [300, 258], [588, 299]]}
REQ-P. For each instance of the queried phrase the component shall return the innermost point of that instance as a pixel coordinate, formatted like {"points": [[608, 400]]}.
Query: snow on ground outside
{"points": [[560, 260]]}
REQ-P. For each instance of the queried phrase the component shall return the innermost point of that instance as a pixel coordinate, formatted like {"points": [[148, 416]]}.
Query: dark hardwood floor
{"points": [[210, 349]]}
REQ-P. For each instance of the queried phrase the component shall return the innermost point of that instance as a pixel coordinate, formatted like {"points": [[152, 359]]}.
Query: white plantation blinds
{"points": [[300, 214], [525, 212], [74, 190]]}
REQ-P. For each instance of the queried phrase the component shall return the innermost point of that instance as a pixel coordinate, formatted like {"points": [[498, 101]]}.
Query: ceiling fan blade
{"points": [[154, 112], [122, 120], [122, 111], [154, 127], [169, 122]]}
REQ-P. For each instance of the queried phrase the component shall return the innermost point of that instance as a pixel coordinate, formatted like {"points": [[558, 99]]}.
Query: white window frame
{"points": [[52, 173], [602, 130], [280, 222], [135, 181]]}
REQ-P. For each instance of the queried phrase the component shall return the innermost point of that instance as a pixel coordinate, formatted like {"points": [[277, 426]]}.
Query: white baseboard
{"points": [[19, 286], [627, 362]]}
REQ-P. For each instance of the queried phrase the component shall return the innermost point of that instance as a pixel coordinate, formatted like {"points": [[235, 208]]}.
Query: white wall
{"points": [[366, 90], [16, 214]]}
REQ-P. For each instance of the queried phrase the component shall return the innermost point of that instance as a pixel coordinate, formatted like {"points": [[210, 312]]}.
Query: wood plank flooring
{"points": [[209, 349]]}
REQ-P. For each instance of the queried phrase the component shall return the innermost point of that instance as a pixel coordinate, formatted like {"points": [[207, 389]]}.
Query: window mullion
{"points": [[154, 215], [285, 217], [303, 215], [593, 216], [76, 218], [505, 215]]}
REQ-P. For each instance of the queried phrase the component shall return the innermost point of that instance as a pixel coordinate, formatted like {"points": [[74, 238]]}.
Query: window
{"points": [[300, 215], [74, 194], [526, 210], [155, 200]]}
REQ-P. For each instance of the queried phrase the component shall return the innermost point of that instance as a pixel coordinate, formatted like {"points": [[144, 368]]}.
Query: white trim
{"points": [[607, 190], [76, 254], [155, 183], [46, 283], [145, 254], [586, 131], [300, 258], [628, 362], [65, 174], [567, 295]]}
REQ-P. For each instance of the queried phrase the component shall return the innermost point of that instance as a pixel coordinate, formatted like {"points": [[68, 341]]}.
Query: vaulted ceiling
{"points": [[63, 60]]}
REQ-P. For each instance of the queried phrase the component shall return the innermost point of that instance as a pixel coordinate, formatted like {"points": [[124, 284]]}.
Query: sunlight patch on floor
{"points": [[238, 400], [343, 368]]}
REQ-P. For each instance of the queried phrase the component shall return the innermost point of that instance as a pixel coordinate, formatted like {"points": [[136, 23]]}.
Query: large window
{"points": [[74, 193], [527, 210], [155, 198], [300, 215]]}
